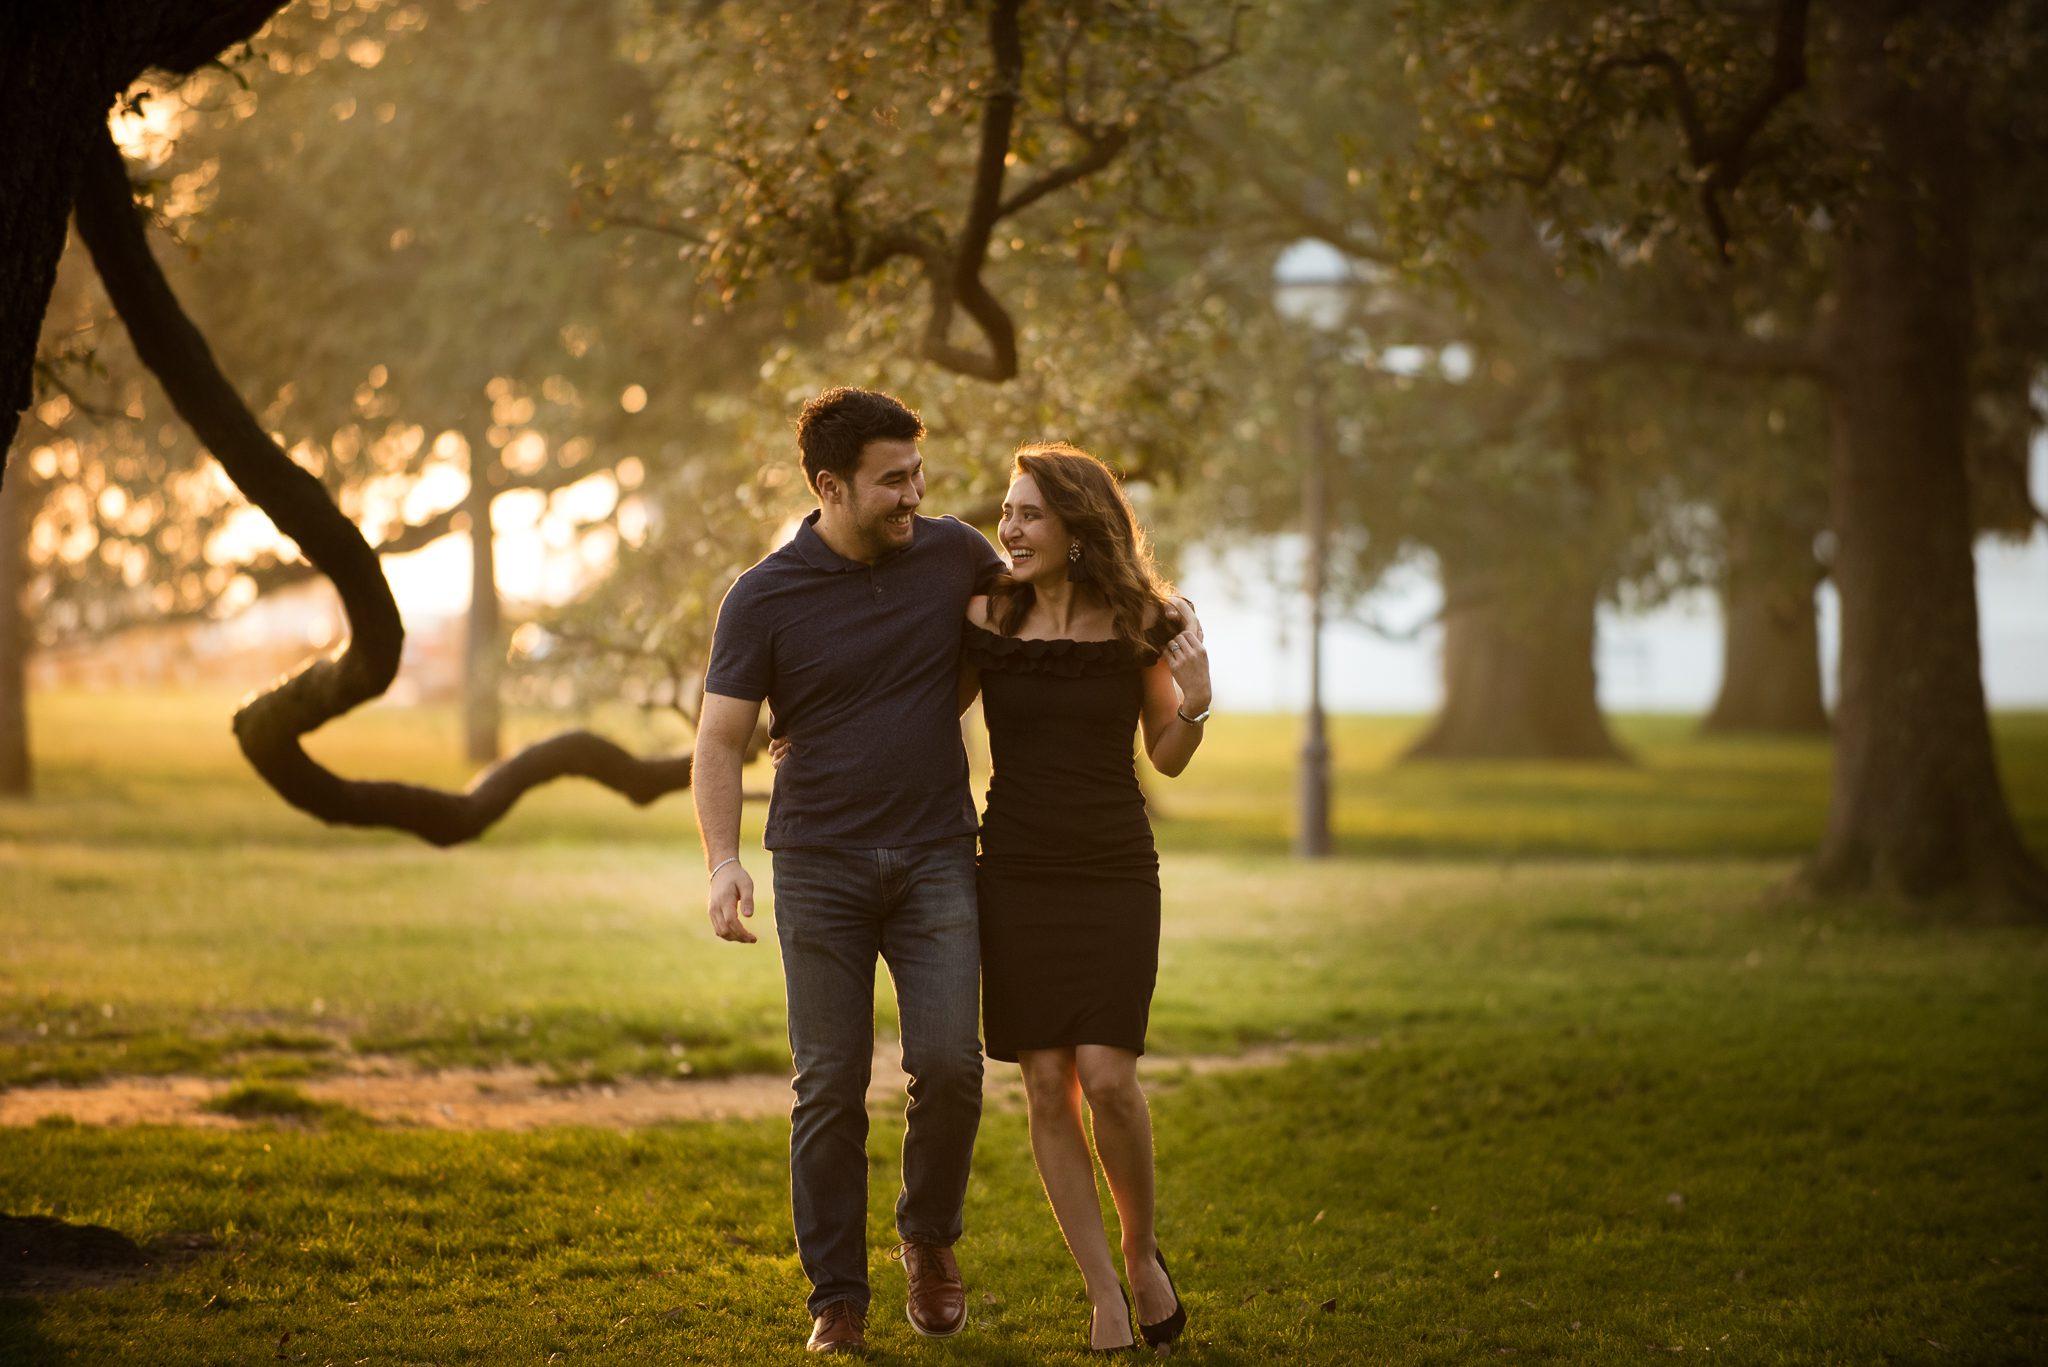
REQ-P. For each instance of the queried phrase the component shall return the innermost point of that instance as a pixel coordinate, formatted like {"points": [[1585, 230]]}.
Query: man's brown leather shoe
{"points": [[842, 1328], [937, 1303]]}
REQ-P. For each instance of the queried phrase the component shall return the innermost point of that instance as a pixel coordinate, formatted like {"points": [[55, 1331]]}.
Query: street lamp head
{"points": [[1312, 283]]}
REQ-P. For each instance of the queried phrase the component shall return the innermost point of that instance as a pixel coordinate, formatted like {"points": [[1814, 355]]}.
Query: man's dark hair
{"points": [[835, 426]]}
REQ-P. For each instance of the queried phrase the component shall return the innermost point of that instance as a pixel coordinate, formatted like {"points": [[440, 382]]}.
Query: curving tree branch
{"points": [[271, 724], [964, 285]]}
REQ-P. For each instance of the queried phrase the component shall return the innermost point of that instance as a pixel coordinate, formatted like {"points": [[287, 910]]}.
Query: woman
{"points": [[1071, 652]]}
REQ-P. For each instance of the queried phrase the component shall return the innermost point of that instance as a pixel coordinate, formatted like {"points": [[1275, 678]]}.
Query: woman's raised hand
{"points": [[1189, 660]]}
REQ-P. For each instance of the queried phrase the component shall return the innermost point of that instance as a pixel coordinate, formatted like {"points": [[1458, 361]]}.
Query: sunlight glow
{"points": [[147, 126], [441, 485]]}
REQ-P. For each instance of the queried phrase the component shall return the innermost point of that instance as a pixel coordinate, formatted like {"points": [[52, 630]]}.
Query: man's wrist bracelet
{"points": [[1195, 720], [721, 864]]}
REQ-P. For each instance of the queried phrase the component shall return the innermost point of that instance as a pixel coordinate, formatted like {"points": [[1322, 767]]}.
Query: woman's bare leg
{"points": [[1059, 1145], [1123, 1138]]}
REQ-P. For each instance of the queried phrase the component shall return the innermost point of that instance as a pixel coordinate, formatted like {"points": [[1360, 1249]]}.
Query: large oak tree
{"points": [[1872, 125]]}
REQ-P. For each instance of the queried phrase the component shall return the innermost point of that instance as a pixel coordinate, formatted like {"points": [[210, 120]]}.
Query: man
{"points": [[851, 632]]}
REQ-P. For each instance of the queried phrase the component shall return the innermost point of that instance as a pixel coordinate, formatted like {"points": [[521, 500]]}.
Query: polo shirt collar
{"points": [[820, 556], [815, 552]]}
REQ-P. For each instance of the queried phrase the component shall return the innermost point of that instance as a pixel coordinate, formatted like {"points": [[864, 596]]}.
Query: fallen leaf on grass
{"points": [[673, 1313], [1329, 1305]]}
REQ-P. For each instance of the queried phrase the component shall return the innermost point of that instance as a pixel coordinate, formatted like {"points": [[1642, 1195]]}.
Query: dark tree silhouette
{"points": [[61, 69], [270, 726]]}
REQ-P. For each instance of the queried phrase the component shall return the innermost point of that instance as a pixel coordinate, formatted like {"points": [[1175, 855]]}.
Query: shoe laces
{"points": [[920, 1260]]}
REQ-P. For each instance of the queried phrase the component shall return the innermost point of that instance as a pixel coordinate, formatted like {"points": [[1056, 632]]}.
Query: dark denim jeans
{"points": [[835, 910]]}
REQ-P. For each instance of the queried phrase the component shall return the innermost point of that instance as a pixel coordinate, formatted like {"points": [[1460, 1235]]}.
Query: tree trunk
{"points": [[1519, 679], [50, 109], [16, 510], [1770, 659], [484, 658], [1917, 809]]}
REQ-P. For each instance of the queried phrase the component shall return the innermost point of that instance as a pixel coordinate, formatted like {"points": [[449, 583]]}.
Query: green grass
{"points": [[274, 1101], [1590, 1093], [1684, 795], [163, 769]]}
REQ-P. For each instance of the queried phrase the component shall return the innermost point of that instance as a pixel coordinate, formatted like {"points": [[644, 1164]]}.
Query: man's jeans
{"points": [[835, 910]]}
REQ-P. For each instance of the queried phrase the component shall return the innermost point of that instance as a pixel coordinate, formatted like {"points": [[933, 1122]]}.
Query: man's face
{"points": [[882, 498]]}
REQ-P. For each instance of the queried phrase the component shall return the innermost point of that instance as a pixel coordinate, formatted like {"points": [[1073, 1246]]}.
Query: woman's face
{"points": [[1032, 534]]}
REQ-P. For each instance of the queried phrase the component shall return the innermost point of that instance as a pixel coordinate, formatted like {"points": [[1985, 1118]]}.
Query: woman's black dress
{"points": [[1069, 879]]}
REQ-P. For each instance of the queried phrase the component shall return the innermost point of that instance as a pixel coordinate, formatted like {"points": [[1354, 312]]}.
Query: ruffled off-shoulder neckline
{"points": [[1060, 655]]}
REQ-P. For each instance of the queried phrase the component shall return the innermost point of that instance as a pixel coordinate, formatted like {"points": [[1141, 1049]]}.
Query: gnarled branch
{"points": [[271, 724]]}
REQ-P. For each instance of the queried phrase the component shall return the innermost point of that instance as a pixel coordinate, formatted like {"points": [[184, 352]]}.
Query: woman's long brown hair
{"points": [[1082, 492]]}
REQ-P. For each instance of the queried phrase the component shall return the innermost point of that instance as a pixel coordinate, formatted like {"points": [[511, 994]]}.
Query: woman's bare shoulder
{"points": [[977, 609]]}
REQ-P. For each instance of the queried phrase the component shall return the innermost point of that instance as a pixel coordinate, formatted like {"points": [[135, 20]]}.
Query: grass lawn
{"points": [[1582, 1090]]}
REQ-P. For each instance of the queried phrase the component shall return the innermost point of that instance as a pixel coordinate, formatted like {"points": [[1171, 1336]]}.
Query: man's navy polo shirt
{"points": [[858, 664]]}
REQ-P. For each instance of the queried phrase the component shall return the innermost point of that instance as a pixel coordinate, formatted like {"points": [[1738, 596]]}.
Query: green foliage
{"points": [[1725, 131], [379, 238], [804, 146], [1579, 105], [1487, 415], [831, 142]]}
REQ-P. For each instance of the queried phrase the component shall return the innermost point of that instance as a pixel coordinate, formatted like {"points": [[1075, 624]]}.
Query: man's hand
{"points": [[730, 898]]}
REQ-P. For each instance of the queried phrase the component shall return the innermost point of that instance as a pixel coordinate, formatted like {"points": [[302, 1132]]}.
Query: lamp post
{"points": [[1311, 285]]}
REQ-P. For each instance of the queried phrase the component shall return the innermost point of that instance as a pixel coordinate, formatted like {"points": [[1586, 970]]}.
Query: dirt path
{"points": [[394, 1092]]}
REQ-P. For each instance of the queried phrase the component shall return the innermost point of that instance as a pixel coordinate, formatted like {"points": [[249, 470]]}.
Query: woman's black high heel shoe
{"points": [[1168, 1329], [1128, 1317]]}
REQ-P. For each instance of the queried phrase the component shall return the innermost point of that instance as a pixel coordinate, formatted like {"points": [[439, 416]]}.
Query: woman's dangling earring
{"points": [[1077, 573]]}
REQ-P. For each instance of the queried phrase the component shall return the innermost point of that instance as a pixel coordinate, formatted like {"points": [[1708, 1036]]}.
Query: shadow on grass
{"points": [[22, 1340]]}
